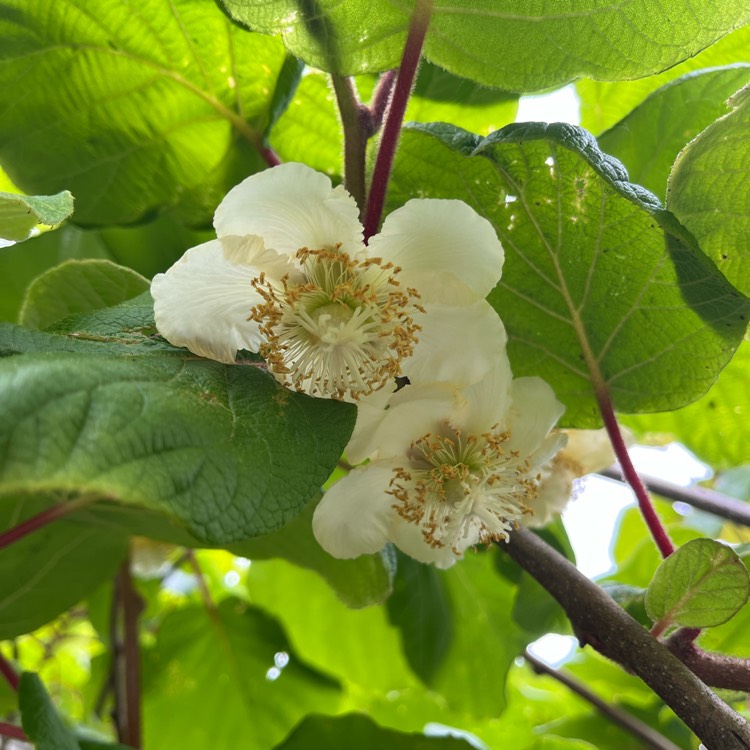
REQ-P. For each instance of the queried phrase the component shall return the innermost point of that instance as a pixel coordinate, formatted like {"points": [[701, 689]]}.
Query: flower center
{"points": [[462, 487], [341, 330]]}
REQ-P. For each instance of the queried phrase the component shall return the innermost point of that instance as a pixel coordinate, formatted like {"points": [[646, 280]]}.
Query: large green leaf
{"points": [[701, 584], [361, 732], [648, 140], [133, 108], [50, 570], [604, 103], [224, 450], [601, 286], [709, 190], [78, 286], [207, 684], [516, 46], [19, 214], [715, 427]]}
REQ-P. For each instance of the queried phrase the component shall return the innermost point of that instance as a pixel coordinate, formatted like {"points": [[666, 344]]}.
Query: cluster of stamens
{"points": [[461, 485], [341, 330]]}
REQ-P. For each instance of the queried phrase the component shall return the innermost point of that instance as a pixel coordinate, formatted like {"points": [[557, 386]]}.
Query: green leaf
{"points": [[715, 427], [231, 652], [421, 609], [19, 214], [648, 140], [358, 730], [701, 584], [48, 571], [359, 583], [709, 190], [162, 106], [604, 103], [223, 450], [78, 286], [40, 720], [601, 287], [497, 45]]}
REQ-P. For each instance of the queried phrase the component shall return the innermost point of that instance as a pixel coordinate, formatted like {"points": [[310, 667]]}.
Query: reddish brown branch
{"points": [[9, 673], [13, 732], [40, 520], [600, 622]]}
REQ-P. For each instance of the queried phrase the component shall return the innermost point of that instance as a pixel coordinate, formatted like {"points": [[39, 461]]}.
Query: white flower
{"points": [[289, 276], [449, 468], [586, 451]]}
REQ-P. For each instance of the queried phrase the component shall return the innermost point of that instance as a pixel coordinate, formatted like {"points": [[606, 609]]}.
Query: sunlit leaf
{"points": [[715, 427], [231, 650], [162, 106], [19, 214], [603, 103], [701, 584], [597, 275], [648, 140], [709, 190], [519, 49]]}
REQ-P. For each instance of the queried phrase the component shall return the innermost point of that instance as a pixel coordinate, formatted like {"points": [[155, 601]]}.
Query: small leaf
{"points": [[39, 717], [701, 584], [19, 214], [361, 732], [78, 286]]}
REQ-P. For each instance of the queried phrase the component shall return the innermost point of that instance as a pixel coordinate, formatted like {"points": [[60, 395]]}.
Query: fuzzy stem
{"points": [[650, 737], [40, 520], [270, 157], [418, 24], [600, 622], [381, 98], [702, 498], [355, 120], [12, 731], [655, 526], [10, 674]]}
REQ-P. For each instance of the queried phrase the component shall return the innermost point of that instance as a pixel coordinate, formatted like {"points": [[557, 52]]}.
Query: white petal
{"points": [[408, 538], [353, 517], [591, 450], [291, 206], [555, 490], [534, 412], [489, 399], [445, 249], [412, 412], [456, 344], [203, 301]]}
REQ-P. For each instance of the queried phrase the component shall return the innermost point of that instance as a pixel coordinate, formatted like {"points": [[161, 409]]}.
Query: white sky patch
{"points": [[561, 105]]}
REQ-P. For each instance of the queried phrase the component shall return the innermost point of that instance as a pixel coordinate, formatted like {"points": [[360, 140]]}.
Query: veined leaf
{"points": [[709, 190], [518, 47], [150, 106], [601, 287], [701, 584]]}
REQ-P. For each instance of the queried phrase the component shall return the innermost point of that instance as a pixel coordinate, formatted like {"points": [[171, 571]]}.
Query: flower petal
{"points": [[412, 412], [354, 516], [533, 413], [291, 206], [489, 399], [555, 490], [591, 450], [203, 301], [408, 538], [456, 344], [445, 249]]}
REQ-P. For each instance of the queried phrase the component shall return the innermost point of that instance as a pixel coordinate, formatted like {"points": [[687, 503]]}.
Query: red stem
{"points": [[418, 24], [42, 519], [655, 526], [270, 156], [12, 731], [10, 674], [381, 98]]}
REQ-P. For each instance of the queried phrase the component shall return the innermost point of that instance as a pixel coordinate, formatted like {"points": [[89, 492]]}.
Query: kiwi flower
{"points": [[290, 277]]}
